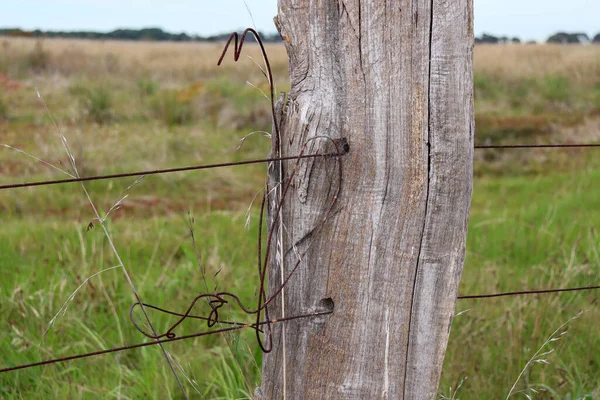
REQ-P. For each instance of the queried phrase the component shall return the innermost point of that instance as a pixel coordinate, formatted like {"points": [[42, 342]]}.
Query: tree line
{"points": [[559, 37], [150, 34], [157, 34]]}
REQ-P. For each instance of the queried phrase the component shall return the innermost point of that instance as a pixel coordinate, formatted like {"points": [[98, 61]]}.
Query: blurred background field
{"points": [[127, 106]]}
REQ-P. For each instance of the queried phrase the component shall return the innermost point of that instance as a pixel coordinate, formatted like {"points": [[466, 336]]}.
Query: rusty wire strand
{"points": [[160, 171], [160, 341], [238, 325], [237, 51], [526, 292], [217, 300], [536, 146], [257, 161]]}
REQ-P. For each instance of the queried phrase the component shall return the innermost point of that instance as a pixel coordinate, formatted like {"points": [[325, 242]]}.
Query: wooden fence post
{"points": [[394, 78]]}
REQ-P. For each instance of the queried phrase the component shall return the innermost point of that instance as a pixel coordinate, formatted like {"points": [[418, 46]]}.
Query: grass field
{"points": [[133, 106]]}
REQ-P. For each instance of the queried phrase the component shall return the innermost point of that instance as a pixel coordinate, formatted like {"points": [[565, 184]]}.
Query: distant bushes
{"points": [[96, 102], [148, 34], [169, 107], [3, 108], [34, 59], [225, 103], [38, 58], [569, 38], [551, 93], [147, 87], [559, 37], [491, 39], [495, 129], [159, 35], [527, 109]]}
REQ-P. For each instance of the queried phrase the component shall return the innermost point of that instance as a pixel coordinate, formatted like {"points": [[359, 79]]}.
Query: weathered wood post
{"points": [[395, 78]]}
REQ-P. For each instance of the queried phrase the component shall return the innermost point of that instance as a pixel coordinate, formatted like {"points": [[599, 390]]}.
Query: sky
{"points": [[527, 19]]}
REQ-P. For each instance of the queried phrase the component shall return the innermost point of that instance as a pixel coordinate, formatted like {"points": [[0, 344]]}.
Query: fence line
{"points": [[162, 171], [264, 160], [160, 341], [213, 317], [526, 292], [239, 325], [536, 146]]}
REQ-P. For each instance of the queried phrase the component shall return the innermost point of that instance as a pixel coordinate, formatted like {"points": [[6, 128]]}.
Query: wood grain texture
{"points": [[395, 79]]}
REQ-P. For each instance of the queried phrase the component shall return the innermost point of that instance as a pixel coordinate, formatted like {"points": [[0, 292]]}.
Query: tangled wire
{"points": [[217, 300]]}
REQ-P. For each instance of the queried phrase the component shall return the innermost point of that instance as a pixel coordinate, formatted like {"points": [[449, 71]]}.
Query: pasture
{"points": [[126, 106]]}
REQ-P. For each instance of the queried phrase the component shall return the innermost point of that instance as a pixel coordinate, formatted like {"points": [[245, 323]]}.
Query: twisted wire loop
{"points": [[217, 300], [237, 51]]}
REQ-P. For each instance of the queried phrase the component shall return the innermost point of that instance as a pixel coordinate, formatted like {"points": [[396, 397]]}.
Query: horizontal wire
{"points": [[524, 292], [136, 346], [161, 171], [264, 160], [536, 146], [228, 164]]}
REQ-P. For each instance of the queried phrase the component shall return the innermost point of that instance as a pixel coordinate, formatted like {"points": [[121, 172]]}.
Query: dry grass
{"points": [[168, 105], [515, 62], [165, 61], [190, 60]]}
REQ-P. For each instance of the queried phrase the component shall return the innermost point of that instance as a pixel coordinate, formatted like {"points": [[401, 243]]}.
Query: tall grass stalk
{"points": [[202, 267], [452, 393], [3, 108], [101, 222], [63, 309], [539, 356]]}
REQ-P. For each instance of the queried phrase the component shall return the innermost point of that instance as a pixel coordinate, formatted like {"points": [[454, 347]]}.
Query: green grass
{"points": [[533, 224], [3, 108], [534, 95], [157, 254], [528, 233], [524, 233], [47, 251], [96, 102]]}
